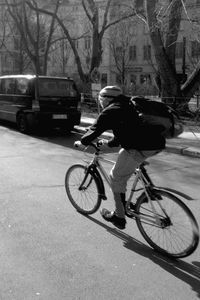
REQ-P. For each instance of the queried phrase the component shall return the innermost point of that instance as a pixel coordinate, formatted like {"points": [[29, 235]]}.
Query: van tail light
{"points": [[35, 105]]}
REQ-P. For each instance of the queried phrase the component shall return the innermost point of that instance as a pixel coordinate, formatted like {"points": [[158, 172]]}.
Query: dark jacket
{"points": [[128, 132]]}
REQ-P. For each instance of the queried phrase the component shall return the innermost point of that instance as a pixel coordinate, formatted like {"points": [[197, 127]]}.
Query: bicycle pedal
{"points": [[129, 215], [129, 212]]}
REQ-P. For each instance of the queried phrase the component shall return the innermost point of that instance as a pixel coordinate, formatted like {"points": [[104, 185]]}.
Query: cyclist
{"points": [[137, 143]]}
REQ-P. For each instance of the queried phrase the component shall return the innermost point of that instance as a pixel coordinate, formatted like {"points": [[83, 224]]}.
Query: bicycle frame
{"points": [[163, 219], [101, 168], [140, 175]]}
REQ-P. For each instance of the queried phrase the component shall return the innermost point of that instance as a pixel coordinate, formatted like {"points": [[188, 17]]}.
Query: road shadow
{"points": [[67, 139], [189, 273], [54, 136], [9, 125]]}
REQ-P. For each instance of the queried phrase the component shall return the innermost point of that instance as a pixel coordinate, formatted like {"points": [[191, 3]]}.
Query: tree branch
{"points": [[175, 13], [86, 11]]}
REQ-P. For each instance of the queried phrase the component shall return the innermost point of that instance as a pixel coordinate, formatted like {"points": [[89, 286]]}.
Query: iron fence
{"points": [[90, 103]]}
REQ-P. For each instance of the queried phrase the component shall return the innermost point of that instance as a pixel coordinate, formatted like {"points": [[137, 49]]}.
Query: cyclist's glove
{"points": [[79, 145], [102, 142]]}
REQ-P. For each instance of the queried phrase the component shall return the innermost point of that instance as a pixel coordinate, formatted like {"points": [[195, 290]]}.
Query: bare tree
{"points": [[98, 29], [59, 56], [163, 19], [36, 35], [2, 25], [121, 46], [21, 61]]}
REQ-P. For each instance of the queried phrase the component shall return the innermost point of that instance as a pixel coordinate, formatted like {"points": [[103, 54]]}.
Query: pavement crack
{"points": [[25, 188]]}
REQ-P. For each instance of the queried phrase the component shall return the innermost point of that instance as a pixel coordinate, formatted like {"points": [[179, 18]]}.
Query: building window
{"points": [[133, 78], [195, 49], [6, 63], [16, 44], [145, 79], [104, 78], [179, 49], [118, 53], [133, 29], [87, 42], [118, 79], [87, 60], [182, 25], [75, 8], [115, 11], [147, 52], [132, 52]]}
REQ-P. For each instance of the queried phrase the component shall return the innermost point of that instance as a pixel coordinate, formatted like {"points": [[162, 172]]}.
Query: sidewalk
{"points": [[188, 143]]}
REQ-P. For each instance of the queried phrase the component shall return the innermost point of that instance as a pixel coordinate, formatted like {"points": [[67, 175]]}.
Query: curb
{"points": [[187, 151], [181, 150]]}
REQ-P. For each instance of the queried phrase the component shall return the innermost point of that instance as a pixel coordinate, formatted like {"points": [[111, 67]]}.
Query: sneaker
{"points": [[110, 216]]}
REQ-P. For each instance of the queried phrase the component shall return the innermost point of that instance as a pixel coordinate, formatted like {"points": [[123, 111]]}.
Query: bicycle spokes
{"points": [[167, 225]]}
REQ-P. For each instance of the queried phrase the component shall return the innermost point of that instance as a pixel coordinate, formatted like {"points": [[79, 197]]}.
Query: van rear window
{"points": [[8, 86], [56, 88], [22, 86]]}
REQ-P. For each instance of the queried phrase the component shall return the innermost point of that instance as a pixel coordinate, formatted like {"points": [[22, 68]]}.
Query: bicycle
{"points": [[164, 221]]}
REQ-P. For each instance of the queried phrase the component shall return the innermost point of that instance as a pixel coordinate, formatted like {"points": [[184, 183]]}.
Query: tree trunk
{"points": [[170, 87]]}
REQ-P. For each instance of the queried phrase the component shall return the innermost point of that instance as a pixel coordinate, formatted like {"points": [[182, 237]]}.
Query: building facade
{"points": [[127, 57]]}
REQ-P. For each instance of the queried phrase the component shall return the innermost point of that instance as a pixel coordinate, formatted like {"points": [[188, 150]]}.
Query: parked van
{"points": [[34, 102]]}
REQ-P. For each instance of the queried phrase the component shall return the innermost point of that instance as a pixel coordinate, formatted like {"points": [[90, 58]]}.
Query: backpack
{"points": [[156, 114]]}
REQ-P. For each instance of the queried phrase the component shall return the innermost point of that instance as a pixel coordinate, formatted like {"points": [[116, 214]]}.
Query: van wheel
{"points": [[66, 129], [22, 123], [70, 127]]}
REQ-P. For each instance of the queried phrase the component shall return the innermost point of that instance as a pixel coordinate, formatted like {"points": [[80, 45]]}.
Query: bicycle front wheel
{"points": [[82, 190], [175, 231]]}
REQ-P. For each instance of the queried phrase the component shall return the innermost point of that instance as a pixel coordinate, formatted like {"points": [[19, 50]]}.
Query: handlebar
{"points": [[96, 145]]}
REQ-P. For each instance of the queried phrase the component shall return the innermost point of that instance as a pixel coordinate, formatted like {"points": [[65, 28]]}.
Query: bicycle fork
{"points": [[83, 187], [92, 173]]}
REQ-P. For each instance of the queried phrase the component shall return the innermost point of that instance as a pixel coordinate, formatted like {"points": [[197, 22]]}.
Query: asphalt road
{"points": [[48, 251]]}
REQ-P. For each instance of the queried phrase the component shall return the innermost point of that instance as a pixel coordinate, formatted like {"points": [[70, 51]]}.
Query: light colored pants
{"points": [[127, 162]]}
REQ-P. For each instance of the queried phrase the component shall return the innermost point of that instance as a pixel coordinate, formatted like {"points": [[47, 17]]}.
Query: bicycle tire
{"points": [[169, 240], [86, 201]]}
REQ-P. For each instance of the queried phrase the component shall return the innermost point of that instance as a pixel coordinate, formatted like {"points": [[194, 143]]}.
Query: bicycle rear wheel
{"points": [[83, 196], [177, 235]]}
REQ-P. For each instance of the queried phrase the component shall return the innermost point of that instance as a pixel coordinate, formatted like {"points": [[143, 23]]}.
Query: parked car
{"points": [[34, 102]]}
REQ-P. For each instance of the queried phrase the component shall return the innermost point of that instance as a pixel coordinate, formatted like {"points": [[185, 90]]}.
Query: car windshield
{"points": [[56, 87]]}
